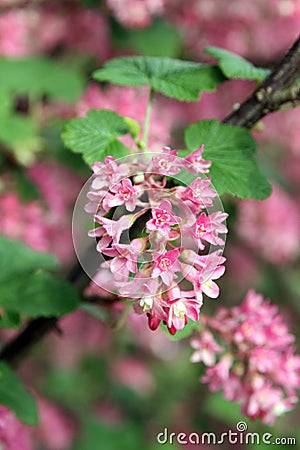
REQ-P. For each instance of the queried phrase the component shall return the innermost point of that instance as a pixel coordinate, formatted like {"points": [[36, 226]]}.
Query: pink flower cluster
{"points": [[257, 365], [155, 238]]}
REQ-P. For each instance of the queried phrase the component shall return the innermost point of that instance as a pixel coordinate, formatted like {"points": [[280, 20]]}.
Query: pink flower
{"points": [[271, 227], [288, 373], [148, 299], [110, 230], [163, 218], [136, 13], [98, 202], [265, 402], [126, 194], [167, 163], [181, 306], [196, 163], [208, 227], [263, 359], [218, 375], [108, 173], [209, 269], [165, 266], [133, 373], [198, 194], [125, 257], [56, 430], [205, 348]]}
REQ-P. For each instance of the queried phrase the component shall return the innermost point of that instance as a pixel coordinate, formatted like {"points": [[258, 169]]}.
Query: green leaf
{"points": [[90, 3], [232, 152], [96, 135], [27, 190], [6, 103], [160, 39], [15, 396], [38, 76], [17, 258], [24, 286], [16, 129], [234, 66], [51, 135], [183, 80], [10, 320], [38, 295], [20, 134], [184, 333]]}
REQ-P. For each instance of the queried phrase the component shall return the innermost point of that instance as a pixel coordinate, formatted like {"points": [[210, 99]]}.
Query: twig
{"points": [[264, 99]]}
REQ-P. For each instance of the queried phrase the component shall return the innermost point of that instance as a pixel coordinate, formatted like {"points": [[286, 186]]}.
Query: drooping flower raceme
{"points": [[255, 364], [161, 243]]}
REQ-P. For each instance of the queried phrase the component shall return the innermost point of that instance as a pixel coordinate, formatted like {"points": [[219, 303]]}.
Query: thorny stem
{"points": [[273, 91]]}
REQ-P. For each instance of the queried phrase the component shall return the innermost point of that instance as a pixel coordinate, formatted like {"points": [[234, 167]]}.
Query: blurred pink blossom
{"points": [[133, 373], [56, 430], [109, 413], [43, 228], [59, 186], [281, 130], [13, 434], [23, 221], [271, 227], [82, 334], [15, 27], [242, 27], [136, 13], [30, 31]]}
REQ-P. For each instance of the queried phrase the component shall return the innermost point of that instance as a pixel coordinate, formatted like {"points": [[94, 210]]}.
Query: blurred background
{"points": [[99, 388]]}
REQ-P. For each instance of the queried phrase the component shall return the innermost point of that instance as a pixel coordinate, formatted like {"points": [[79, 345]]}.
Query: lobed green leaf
{"points": [[234, 66], [25, 287], [182, 80], [231, 149], [95, 136]]}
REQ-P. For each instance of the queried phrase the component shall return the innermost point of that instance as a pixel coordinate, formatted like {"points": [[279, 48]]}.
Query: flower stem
{"points": [[122, 319], [147, 119]]}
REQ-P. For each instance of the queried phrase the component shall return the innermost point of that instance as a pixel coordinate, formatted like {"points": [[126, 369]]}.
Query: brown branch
{"points": [[263, 100], [274, 91], [18, 347]]}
